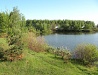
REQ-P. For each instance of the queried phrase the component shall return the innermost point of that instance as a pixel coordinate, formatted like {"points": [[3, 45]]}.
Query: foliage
{"points": [[14, 35], [48, 26], [61, 52], [4, 20], [34, 43], [88, 54], [64, 53], [3, 48], [13, 25], [30, 26]]}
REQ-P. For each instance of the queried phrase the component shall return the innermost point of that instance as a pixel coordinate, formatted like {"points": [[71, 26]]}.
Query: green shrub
{"points": [[88, 54]]}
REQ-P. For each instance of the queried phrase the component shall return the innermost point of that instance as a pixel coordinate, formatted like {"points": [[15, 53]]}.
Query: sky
{"points": [[54, 9]]}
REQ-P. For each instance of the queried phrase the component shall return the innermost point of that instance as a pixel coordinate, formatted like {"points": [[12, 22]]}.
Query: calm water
{"points": [[70, 41]]}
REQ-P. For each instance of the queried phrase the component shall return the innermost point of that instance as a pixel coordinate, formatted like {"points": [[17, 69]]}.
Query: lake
{"points": [[71, 40]]}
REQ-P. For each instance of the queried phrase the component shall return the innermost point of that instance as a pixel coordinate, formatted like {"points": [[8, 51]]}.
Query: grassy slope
{"points": [[43, 64]]}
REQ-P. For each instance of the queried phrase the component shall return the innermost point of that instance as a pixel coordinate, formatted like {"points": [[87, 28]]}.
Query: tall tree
{"points": [[14, 34]]}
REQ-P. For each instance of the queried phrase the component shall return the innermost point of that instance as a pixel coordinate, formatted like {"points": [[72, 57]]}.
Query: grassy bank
{"points": [[43, 64]]}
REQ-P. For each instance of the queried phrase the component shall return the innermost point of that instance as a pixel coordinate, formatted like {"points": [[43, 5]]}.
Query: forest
{"points": [[48, 26]]}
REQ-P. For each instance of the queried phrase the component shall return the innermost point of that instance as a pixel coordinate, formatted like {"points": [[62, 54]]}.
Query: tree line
{"points": [[48, 26]]}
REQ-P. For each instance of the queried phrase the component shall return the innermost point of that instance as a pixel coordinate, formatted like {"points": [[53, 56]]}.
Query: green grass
{"points": [[43, 64]]}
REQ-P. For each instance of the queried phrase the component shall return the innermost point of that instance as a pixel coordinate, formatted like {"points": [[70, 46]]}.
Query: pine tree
{"points": [[14, 35]]}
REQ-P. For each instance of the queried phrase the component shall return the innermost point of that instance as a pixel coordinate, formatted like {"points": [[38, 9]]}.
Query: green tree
{"points": [[89, 25], [45, 26], [14, 35]]}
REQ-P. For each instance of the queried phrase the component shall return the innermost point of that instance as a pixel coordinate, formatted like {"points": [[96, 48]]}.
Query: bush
{"points": [[50, 49], [88, 54], [34, 43], [63, 53]]}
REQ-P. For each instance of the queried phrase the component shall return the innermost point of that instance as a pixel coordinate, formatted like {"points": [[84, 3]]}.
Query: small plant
{"points": [[50, 49], [65, 54]]}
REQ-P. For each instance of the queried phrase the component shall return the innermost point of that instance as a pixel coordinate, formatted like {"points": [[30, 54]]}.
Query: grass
{"points": [[43, 64]]}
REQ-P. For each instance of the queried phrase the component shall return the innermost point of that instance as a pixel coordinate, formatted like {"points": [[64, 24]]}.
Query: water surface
{"points": [[70, 41]]}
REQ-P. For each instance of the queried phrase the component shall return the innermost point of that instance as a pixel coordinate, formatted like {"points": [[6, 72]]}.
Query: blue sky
{"points": [[54, 9]]}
